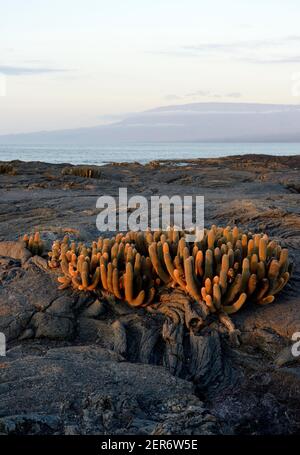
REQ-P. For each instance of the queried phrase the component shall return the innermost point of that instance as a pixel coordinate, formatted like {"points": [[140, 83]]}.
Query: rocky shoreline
{"points": [[82, 365]]}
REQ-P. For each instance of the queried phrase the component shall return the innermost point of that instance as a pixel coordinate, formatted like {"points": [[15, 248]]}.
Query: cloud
{"points": [[293, 38], [252, 51], [244, 45], [233, 46], [172, 97], [197, 93], [202, 94], [234, 95], [20, 71], [280, 60]]}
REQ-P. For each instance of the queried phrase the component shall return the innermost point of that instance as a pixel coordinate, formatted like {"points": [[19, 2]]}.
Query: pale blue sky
{"points": [[80, 63]]}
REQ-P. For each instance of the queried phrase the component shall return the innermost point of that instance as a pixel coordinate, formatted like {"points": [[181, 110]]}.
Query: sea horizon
{"points": [[142, 152]]}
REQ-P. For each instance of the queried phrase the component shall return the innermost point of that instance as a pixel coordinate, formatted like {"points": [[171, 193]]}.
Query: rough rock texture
{"points": [[82, 363], [87, 389], [14, 250]]}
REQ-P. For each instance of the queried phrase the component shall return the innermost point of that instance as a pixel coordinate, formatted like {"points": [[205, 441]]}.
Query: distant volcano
{"points": [[203, 122]]}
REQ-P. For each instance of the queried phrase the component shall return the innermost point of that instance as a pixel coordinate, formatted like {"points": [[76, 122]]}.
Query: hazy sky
{"points": [[68, 63]]}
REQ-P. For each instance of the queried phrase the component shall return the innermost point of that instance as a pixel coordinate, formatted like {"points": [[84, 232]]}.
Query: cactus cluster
{"points": [[82, 171], [115, 265], [221, 272], [34, 243]]}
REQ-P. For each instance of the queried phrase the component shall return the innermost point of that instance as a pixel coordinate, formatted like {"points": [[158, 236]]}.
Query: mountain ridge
{"points": [[193, 122]]}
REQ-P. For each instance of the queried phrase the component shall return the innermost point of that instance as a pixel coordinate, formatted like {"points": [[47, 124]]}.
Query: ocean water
{"points": [[141, 152]]}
